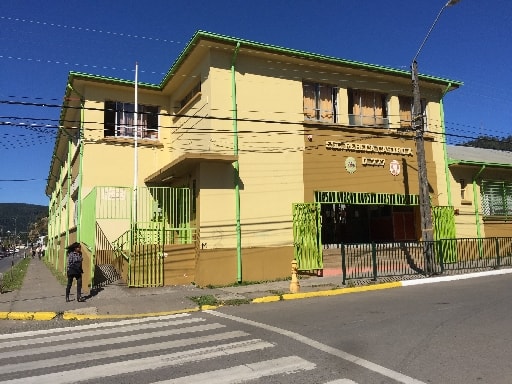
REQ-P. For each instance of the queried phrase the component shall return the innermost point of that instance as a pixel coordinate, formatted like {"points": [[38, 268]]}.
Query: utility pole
{"points": [[427, 232]]}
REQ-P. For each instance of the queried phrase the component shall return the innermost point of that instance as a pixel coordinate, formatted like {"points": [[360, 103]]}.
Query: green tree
{"points": [[489, 142]]}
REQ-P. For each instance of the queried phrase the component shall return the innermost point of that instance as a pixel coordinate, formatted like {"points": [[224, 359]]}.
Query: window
{"points": [[75, 211], [496, 198], [462, 189], [320, 102], [406, 108], [119, 120], [367, 108], [189, 96]]}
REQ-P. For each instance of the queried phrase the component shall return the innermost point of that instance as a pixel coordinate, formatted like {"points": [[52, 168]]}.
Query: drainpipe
{"points": [[80, 163], [475, 203], [236, 165], [70, 145]]}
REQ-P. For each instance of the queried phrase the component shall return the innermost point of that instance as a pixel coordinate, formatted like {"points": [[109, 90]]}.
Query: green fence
{"points": [[376, 261], [148, 219]]}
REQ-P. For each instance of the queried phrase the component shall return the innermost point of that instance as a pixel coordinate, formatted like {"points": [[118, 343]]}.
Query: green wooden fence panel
{"points": [[444, 232], [306, 236]]}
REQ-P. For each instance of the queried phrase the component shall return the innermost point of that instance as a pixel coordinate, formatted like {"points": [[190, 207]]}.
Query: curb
{"points": [[40, 316], [79, 316], [438, 279], [326, 293], [45, 316]]}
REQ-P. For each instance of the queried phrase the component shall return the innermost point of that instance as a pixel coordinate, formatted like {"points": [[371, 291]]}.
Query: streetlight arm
{"points": [[448, 4]]}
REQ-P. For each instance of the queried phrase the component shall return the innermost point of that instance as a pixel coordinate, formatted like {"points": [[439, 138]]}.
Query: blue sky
{"points": [[41, 41]]}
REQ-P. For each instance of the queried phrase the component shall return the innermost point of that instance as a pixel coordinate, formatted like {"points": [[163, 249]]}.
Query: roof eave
{"points": [[302, 54], [477, 163]]}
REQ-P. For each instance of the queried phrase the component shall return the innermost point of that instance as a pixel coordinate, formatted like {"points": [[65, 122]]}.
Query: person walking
{"points": [[74, 270]]}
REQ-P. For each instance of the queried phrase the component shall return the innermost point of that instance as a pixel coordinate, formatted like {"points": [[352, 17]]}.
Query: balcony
{"points": [[368, 121]]}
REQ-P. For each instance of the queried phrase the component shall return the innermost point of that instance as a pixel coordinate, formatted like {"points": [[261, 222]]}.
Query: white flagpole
{"points": [[135, 139]]}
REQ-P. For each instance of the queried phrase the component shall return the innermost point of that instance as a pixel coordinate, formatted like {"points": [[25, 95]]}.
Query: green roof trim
{"points": [[478, 163], [87, 76], [298, 53], [264, 47]]}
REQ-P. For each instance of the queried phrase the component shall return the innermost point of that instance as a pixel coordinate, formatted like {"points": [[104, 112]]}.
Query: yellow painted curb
{"points": [[266, 299], [210, 307], [340, 291], [77, 316], [41, 316]]}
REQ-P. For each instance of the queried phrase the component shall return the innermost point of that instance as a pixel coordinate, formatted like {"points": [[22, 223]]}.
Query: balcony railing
{"points": [[368, 121]]}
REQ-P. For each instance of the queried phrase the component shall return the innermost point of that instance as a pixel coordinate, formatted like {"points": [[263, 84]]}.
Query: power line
{"points": [[47, 61], [51, 128], [86, 29]]}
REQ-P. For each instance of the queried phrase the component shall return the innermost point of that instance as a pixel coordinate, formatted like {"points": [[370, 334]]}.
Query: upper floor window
{"points": [[189, 96], [119, 120], [406, 108], [320, 102], [496, 198], [367, 108]]}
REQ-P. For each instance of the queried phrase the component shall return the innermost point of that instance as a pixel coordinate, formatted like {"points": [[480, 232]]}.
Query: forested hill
{"points": [[17, 216], [490, 142]]}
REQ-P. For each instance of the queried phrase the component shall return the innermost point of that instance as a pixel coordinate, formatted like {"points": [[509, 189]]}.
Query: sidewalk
{"points": [[42, 297]]}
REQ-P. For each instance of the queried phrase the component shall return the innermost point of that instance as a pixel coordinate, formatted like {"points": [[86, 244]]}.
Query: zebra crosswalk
{"points": [[177, 349]]}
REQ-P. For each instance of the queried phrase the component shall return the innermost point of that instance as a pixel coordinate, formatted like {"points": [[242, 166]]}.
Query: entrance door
{"points": [[342, 223], [403, 224]]}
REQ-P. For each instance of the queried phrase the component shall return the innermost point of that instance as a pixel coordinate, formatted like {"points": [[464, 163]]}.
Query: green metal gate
{"points": [[306, 236], [444, 233]]}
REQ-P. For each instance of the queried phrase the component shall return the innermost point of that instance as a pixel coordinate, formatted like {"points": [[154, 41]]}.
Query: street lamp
{"points": [[427, 233]]}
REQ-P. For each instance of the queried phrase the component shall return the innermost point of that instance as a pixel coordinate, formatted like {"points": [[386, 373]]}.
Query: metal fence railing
{"points": [[143, 250], [108, 263], [376, 261]]}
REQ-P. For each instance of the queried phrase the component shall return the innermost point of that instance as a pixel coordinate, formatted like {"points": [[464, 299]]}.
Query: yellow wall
{"points": [[218, 266], [111, 162], [465, 220], [179, 265], [278, 167], [470, 210]]}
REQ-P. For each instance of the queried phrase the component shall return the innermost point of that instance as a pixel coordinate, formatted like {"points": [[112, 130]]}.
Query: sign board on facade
{"points": [[362, 147]]}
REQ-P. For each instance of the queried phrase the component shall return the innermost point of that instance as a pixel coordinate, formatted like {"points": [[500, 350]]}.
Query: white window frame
{"points": [[318, 112], [123, 125], [496, 198]]}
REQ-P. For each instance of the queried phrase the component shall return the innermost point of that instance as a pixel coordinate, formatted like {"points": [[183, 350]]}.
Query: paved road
{"points": [[189, 348], [452, 332], [449, 332], [6, 262]]}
